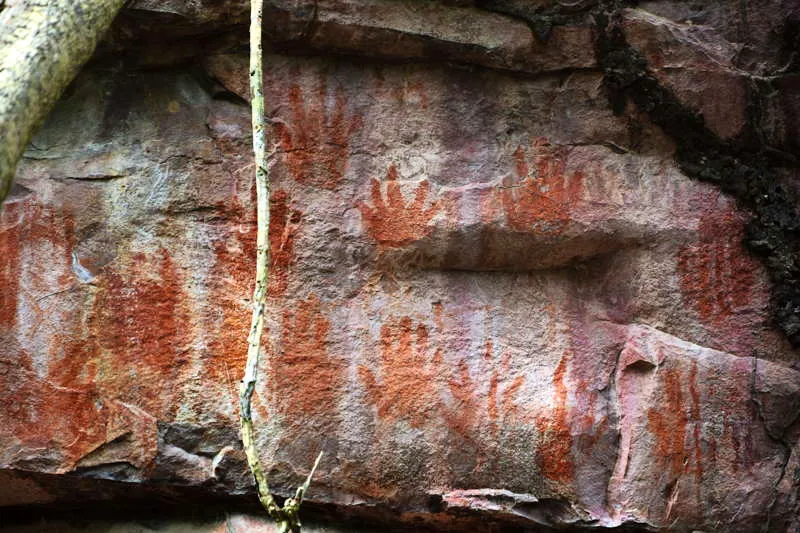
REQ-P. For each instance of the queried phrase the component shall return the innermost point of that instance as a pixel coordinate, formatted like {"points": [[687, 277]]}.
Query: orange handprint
{"points": [[555, 449], [392, 222], [541, 197], [317, 144], [307, 379], [409, 376]]}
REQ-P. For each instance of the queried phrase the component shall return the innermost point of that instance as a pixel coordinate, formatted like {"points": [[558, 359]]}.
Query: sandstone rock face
{"points": [[494, 302], [234, 523]]}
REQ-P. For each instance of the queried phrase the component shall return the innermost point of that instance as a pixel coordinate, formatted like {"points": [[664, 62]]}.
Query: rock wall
{"points": [[534, 265]]}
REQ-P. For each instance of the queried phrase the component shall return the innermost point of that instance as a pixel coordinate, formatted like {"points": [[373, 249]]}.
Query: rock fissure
{"points": [[779, 439], [738, 168], [745, 172]]}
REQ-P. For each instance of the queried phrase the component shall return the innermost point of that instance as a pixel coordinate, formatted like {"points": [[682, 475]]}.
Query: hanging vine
{"points": [[286, 516]]}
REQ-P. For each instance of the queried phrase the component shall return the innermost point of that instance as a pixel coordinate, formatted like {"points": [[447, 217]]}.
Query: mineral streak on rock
{"points": [[499, 298]]}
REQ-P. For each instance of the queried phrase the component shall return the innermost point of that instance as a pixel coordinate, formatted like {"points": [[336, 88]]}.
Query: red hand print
{"points": [[555, 449], [472, 406], [393, 222], [307, 379], [316, 141], [540, 197], [409, 375], [717, 276]]}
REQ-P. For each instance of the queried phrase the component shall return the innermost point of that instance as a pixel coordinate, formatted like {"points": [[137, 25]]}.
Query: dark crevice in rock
{"points": [[116, 471], [745, 167], [90, 499], [540, 18]]}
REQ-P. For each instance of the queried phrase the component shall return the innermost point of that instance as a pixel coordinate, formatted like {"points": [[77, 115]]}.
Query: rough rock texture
{"points": [[503, 295], [233, 523]]}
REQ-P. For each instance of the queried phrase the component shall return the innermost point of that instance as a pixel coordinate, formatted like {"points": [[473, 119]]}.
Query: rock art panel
{"points": [[689, 436], [721, 284], [543, 192], [491, 298], [409, 371]]}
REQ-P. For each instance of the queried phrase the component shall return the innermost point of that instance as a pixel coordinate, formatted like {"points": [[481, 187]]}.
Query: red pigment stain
{"points": [[316, 142], [10, 247], [717, 276], [307, 379], [668, 424], [585, 375], [30, 225], [405, 387], [40, 415], [40, 230], [540, 197], [472, 407], [462, 417], [694, 395], [233, 280], [141, 319], [491, 406], [678, 450], [393, 222], [143, 314], [735, 431], [501, 403], [283, 227], [57, 412], [77, 365], [555, 453], [508, 404]]}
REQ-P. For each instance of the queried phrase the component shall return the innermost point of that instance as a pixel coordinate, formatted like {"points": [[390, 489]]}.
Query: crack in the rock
{"points": [[613, 407], [777, 439], [745, 168], [541, 19]]}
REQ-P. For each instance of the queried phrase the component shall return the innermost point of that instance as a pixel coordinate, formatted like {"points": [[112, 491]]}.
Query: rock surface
{"points": [[492, 298], [234, 523]]}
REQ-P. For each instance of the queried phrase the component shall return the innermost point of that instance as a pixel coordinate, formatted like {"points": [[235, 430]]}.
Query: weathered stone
{"points": [[493, 301], [233, 523], [763, 32], [696, 63], [693, 459], [220, 12]]}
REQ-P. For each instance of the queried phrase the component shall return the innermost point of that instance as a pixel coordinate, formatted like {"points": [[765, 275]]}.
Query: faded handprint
{"points": [[317, 140], [307, 379], [717, 276], [393, 222], [555, 448], [473, 406], [406, 385], [540, 197]]}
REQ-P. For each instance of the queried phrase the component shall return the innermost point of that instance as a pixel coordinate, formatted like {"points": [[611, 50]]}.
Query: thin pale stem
{"points": [[286, 516]]}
